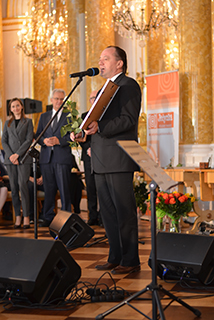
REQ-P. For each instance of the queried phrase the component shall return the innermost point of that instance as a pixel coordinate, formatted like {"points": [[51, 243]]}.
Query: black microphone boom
{"points": [[91, 72]]}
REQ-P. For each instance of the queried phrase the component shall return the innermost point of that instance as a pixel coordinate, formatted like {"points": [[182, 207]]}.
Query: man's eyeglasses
{"points": [[58, 99]]}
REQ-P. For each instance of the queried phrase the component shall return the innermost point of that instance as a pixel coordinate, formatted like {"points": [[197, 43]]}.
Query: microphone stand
{"points": [[35, 153]]}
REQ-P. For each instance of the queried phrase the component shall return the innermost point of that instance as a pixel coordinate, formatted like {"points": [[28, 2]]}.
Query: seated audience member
{"points": [[6, 210]]}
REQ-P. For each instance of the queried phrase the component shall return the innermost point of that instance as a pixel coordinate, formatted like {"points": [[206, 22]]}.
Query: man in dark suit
{"points": [[94, 214], [55, 159], [113, 168]]}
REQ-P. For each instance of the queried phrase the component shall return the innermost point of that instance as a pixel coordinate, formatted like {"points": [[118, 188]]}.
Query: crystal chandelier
{"points": [[130, 16], [44, 35]]}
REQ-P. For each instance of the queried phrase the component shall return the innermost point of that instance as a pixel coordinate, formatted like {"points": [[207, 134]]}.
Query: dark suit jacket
{"points": [[17, 140], [62, 152], [85, 145], [120, 122]]}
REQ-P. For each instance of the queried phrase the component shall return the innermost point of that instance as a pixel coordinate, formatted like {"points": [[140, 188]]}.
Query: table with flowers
{"points": [[188, 178]]}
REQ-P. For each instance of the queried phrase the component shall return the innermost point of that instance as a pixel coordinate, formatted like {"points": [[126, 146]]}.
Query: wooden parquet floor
{"points": [[87, 258]]}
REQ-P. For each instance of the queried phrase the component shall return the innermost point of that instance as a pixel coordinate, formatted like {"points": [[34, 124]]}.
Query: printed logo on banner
{"points": [[161, 120], [152, 120]]}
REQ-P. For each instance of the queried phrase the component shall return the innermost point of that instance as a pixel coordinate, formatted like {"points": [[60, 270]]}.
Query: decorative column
{"points": [[212, 44], [73, 64], [2, 98], [195, 72], [155, 47], [99, 35]]}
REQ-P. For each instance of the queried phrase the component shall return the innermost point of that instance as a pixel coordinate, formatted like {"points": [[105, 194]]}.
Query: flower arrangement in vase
{"points": [[174, 205]]}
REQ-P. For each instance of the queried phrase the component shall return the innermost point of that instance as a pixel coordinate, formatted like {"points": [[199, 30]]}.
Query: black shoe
{"points": [[45, 223], [17, 226], [26, 226], [93, 222]]}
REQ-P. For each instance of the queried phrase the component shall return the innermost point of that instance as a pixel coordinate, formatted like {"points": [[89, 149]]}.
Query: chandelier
{"points": [[44, 35], [130, 16]]}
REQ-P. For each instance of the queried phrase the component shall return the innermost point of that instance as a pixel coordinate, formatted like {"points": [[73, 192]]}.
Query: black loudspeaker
{"points": [[41, 270], [49, 107], [70, 229], [186, 256]]}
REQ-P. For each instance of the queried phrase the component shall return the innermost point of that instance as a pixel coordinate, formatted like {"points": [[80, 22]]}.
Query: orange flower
{"points": [[166, 201], [172, 201], [157, 201], [182, 199], [176, 194], [165, 196]]}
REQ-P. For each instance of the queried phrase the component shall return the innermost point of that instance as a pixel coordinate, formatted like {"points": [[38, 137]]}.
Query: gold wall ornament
{"points": [[142, 129]]}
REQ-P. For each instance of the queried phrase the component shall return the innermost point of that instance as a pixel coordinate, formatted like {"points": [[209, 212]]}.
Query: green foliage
{"points": [[73, 122]]}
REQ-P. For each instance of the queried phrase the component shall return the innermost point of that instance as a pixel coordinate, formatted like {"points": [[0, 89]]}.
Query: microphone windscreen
{"points": [[93, 72]]}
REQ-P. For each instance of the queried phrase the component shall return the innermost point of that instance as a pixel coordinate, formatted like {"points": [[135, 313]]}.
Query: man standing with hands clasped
{"points": [[55, 158], [113, 168]]}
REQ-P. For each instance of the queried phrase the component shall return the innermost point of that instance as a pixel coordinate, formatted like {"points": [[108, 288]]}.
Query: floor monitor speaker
{"points": [[40, 270], [70, 229], [186, 256]]}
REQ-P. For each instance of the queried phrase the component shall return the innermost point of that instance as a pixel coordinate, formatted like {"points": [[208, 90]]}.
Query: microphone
{"points": [[91, 72]]}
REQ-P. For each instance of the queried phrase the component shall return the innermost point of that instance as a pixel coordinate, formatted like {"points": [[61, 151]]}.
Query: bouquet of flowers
{"points": [[174, 205], [141, 192]]}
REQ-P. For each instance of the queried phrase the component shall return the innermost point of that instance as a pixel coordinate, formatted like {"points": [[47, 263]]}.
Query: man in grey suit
{"points": [[113, 168], [55, 159]]}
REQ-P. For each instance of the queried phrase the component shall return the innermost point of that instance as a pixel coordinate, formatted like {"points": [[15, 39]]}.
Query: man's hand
{"points": [[52, 141], [89, 152], [39, 181], [14, 158], [77, 137], [92, 128]]}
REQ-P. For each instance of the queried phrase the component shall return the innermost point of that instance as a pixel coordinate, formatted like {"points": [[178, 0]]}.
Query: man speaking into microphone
{"points": [[113, 168]]}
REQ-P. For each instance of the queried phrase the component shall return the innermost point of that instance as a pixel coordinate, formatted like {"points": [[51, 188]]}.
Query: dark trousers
{"points": [[56, 177], [76, 191], [119, 216], [31, 194], [19, 176], [91, 191]]}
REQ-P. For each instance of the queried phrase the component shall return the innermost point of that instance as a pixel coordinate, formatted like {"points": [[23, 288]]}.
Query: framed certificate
{"points": [[101, 103]]}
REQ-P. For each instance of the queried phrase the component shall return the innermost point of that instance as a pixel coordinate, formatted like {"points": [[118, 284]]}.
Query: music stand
{"points": [[140, 156]]}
